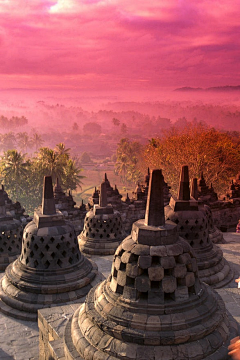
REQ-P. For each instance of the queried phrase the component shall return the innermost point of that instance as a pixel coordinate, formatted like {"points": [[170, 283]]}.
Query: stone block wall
{"points": [[51, 324]]}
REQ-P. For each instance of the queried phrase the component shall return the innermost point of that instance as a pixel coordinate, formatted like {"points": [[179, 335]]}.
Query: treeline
{"points": [[23, 176], [21, 141], [13, 122], [202, 148]]}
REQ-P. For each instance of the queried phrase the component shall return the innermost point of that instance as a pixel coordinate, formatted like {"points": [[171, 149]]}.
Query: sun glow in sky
{"points": [[119, 44]]}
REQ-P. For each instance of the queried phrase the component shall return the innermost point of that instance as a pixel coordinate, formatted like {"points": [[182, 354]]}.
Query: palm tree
{"points": [[23, 141], [49, 163], [37, 140], [8, 141], [14, 168], [71, 178], [62, 150]]}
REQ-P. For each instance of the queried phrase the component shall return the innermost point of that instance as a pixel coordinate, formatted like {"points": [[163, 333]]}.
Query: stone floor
{"points": [[19, 339]]}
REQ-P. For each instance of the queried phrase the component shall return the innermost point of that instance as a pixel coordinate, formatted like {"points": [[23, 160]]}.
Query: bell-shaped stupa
{"points": [[153, 305], [215, 235], [10, 236], [192, 225], [50, 270], [103, 228]]}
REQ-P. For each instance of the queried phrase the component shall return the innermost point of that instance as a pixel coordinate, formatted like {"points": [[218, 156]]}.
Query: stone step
{"points": [[17, 314]]}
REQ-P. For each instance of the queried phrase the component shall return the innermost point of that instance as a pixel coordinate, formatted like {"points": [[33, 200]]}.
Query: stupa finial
{"points": [[48, 203], [105, 177], [58, 183], [2, 201], [103, 195], [155, 203], [202, 178], [194, 189], [184, 191]]}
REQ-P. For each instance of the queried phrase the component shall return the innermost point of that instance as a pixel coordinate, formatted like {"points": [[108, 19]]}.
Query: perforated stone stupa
{"points": [[152, 306], [15, 209], [10, 236], [66, 205], [215, 235], [192, 225], [103, 228], [206, 193], [50, 270]]}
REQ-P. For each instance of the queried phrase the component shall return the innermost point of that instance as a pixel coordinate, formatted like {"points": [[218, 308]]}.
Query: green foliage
{"points": [[23, 178], [128, 155]]}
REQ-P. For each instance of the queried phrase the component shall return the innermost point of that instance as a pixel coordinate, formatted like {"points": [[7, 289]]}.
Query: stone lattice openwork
{"points": [[10, 236], [215, 235], [103, 228], [193, 226], [15, 209], [153, 305], [50, 270]]}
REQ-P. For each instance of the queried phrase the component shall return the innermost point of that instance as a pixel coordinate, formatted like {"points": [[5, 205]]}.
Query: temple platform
{"points": [[19, 340]]}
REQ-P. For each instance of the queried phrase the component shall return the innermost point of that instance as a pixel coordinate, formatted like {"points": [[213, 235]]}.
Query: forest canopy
{"points": [[22, 176], [203, 148]]}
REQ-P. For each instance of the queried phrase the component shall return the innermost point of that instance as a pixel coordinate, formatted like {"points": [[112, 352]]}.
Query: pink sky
{"points": [[119, 44]]}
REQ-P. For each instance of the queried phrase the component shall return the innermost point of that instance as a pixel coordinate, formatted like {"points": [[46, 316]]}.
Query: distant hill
{"points": [[215, 88]]}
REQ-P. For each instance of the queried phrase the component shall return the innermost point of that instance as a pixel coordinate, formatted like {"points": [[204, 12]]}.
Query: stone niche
{"points": [[152, 306]]}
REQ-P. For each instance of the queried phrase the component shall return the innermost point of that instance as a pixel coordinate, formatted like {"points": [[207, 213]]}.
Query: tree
{"points": [[8, 141], [71, 178], [85, 158], [49, 163], [128, 154], [23, 177], [193, 146], [37, 141], [92, 128], [124, 128], [13, 168], [116, 122], [62, 150], [75, 127], [23, 141]]}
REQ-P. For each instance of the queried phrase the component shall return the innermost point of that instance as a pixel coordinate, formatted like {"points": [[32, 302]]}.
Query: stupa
{"points": [[103, 228], [50, 270], [152, 306], [215, 235], [206, 194], [192, 225], [66, 205], [62, 201], [15, 209], [10, 236]]}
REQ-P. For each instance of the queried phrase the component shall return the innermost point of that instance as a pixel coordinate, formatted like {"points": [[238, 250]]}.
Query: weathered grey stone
{"points": [[194, 223], [50, 269], [156, 273], [154, 315]]}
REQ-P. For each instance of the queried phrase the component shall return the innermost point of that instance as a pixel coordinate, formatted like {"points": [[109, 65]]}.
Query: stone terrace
{"points": [[19, 339]]}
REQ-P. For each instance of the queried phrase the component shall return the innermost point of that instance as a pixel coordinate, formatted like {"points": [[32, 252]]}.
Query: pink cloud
{"points": [[106, 44]]}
